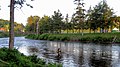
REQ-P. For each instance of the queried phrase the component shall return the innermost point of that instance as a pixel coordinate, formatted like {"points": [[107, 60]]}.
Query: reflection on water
{"points": [[70, 54], [87, 55]]}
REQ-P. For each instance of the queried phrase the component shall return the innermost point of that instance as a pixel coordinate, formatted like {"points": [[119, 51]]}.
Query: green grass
{"points": [[87, 37], [13, 58]]}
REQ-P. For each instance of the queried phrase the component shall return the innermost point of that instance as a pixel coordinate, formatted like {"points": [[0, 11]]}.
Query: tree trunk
{"points": [[37, 27], [90, 30], [119, 26], [67, 30], [82, 32], [11, 29], [111, 28], [79, 30], [94, 31], [72, 30]]}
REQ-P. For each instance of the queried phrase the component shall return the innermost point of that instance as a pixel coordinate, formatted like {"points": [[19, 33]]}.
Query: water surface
{"points": [[70, 54]]}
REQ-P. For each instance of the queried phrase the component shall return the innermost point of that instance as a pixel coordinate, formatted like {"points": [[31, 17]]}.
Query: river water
{"points": [[69, 54]]}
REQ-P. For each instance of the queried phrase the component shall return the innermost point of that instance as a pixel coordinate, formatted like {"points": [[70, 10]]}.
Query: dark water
{"points": [[70, 54]]}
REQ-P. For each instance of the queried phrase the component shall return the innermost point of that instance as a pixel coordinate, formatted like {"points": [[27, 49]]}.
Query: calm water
{"points": [[70, 54]]}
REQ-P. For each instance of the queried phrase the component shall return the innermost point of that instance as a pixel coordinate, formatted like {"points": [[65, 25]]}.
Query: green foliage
{"points": [[51, 37], [45, 25], [13, 58], [32, 24], [5, 25], [80, 14], [99, 17], [3, 34], [88, 37], [57, 21], [54, 65], [6, 34]]}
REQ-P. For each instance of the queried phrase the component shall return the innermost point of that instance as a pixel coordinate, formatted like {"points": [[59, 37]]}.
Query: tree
{"points": [[18, 28], [29, 25], [105, 13], [11, 29], [5, 25], [80, 15], [89, 18], [111, 21], [118, 22], [33, 24], [92, 19], [100, 16], [115, 21], [45, 25], [66, 19], [57, 21], [72, 24], [36, 22]]}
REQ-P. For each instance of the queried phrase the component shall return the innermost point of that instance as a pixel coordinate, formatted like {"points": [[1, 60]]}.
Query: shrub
{"points": [[4, 34], [87, 37], [13, 58]]}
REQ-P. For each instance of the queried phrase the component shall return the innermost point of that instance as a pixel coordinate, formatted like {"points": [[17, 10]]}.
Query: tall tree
{"points": [[57, 21], [45, 25], [92, 19], [33, 24], [80, 15], [89, 19], [11, 29], [36, 23], [105, 13], [100, 16]]}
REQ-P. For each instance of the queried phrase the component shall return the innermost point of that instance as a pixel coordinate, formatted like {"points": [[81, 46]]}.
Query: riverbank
{"points": [[6, 34], [13, 58], [3, 34], [87, 37]]}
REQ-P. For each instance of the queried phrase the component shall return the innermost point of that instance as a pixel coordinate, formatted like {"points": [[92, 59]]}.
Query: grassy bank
{"points": [[3, 34], [87, 37], [13, 58], [6, 34]]}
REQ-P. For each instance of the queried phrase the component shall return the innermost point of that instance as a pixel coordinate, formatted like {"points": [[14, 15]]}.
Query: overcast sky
{"points": [[47, 7]]}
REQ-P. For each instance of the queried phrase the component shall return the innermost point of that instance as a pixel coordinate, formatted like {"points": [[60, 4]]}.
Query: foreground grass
{"points": [[87, 37], [13, 58]]}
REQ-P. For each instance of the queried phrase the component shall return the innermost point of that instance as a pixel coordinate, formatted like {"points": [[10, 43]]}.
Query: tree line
{"points": [[18, 27], [98, 18]]}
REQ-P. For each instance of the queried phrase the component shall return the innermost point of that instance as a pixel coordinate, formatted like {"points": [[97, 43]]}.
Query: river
{"points": [[70, 54]]}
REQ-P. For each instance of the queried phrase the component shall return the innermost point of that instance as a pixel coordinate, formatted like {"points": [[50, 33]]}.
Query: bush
{"points": [[4, 34], [87, 37], [51, 37], [13, 58]]}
